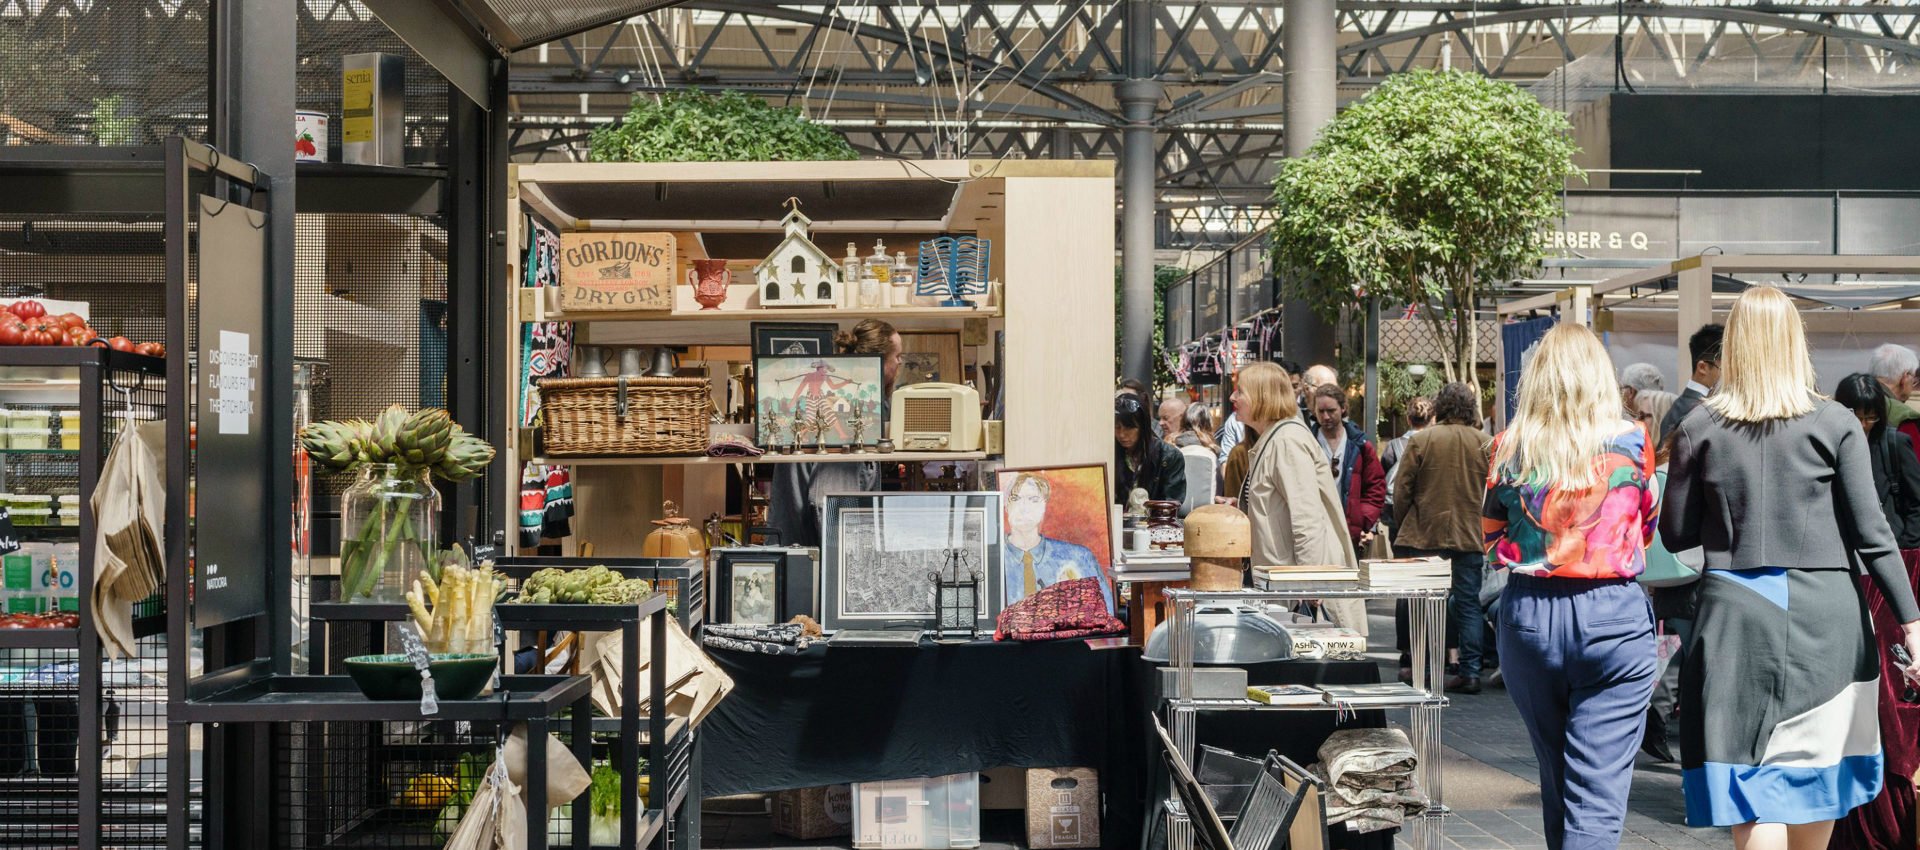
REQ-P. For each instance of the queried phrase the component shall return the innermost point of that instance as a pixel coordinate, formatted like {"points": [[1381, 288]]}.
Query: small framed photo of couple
{"points": [[1057, 528]]}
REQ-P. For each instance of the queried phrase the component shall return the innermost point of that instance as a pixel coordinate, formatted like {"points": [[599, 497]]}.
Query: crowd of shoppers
{"points": [[1768, 534]]}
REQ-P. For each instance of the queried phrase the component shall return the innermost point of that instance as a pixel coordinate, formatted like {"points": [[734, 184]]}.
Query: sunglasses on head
{"points": [[1127, 404]]}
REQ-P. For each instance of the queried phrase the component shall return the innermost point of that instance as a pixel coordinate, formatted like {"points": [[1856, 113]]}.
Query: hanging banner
{"points": [[230, 556]]}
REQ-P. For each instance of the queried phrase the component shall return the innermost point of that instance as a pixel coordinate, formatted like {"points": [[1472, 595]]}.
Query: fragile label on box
{"points": [[617, 271]]}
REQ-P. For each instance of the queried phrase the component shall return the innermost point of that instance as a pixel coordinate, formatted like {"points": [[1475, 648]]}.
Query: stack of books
{"points": [[1407, 574], [1287, 695], [1306, 577]]}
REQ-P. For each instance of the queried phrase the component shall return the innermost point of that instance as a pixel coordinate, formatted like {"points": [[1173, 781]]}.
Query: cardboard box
{"points": [[617, 270], [936, 813], [812, 813], [1063, 807], [1003, 789]]}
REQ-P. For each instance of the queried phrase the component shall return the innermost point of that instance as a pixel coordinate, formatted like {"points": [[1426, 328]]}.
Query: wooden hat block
{"points": [[1219, 540]]}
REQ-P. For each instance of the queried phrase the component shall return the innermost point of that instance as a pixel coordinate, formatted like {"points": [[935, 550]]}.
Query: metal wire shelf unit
{"points": [[1427, 622], [82, 737]]}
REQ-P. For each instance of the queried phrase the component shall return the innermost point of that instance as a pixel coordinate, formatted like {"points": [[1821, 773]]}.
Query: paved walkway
{"points": [[1492, 782]]}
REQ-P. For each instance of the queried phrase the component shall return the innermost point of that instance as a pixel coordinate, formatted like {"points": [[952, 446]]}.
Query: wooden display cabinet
{"points": [[1050, 322]]}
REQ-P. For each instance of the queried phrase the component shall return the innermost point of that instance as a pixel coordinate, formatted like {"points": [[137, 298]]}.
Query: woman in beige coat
{"points": [[1290, 495]]}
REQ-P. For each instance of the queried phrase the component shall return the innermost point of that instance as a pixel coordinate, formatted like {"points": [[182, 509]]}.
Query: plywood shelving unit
{"points": [[1052, 228]]}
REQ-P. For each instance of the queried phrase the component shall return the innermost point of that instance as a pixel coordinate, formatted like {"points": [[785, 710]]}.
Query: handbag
{"points": [[1665, 568]]}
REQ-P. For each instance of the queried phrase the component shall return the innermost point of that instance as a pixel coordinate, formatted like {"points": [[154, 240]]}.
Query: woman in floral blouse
{"points": [[1570, 506]]}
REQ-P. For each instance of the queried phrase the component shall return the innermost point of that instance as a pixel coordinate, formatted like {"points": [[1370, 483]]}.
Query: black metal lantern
{"points": [[957, 599]]}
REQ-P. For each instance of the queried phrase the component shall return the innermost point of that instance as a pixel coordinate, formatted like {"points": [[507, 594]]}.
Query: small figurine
{"points": [[858, 424], [820, 422], [1137, 502]]}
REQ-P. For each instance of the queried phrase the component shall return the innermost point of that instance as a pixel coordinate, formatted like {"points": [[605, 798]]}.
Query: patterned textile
{"points": [[1069, 609], [1369, 773], [546, 347], [546, 503], [782, 639], [1599, 532]]}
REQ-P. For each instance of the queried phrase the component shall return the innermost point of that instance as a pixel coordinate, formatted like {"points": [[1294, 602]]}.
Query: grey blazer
{"points": [[1795, 493]]}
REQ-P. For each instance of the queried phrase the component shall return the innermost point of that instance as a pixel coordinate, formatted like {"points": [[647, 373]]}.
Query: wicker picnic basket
{"points": [[625, 416]]}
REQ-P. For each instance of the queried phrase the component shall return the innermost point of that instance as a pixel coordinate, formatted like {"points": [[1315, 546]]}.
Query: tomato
{"points": [[12, 333], [120, 343], [82, 335], [71, 320], [150, 349], [39, 337], [28, 309]]}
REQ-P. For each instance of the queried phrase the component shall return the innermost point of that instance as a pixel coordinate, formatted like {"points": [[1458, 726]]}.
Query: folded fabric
{"points": [[785, 633], [1068, 609], [758, 647], [733, 445], [1369, 776]]}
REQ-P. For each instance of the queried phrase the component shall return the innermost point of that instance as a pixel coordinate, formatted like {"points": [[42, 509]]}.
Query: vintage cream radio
{"points": [[936, 418]]}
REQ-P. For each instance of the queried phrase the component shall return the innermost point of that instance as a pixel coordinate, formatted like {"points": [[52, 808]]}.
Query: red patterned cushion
{"points": [[1069, 609]]}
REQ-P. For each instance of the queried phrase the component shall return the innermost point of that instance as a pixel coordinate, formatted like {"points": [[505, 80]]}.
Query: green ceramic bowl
{"points": [[456, 675]]}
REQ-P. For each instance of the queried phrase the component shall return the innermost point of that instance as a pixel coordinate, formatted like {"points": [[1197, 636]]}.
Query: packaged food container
{"points": [[67, 517], [24, 517], [29, 438], [24, 502], [40, 419], [70, 430]]}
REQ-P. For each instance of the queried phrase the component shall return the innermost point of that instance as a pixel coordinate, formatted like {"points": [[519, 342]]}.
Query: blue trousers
{"points": [[1579, 660]]}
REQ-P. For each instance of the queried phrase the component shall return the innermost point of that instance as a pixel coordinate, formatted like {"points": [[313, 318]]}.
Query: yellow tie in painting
{"points": [[1033, 581]]}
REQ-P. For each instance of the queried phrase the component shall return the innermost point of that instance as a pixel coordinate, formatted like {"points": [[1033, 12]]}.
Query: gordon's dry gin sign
{"points": [[616, 271]]}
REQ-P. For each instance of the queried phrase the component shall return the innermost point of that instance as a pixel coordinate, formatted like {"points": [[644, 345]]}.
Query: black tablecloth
{"points": [[859, 714], [833, 715]]}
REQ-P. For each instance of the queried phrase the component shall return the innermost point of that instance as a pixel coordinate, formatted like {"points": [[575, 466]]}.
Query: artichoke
{"points": [[334, 445], [384, 447], [423, 437], [466, 457]]}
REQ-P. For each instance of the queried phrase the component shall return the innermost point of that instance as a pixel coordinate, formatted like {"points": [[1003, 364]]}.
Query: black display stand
{"points": [[65, 711], [673, 766]]}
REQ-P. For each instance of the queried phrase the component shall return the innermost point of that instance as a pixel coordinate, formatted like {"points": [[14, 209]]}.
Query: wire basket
{"points": [[625, 416]]}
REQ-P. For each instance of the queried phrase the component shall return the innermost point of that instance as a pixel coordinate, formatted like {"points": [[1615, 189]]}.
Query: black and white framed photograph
{"points": [[881, 551], [793, 339], [762, 585]]}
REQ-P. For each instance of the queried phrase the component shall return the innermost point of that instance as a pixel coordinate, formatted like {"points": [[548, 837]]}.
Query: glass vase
{"points": [[386, 532]]}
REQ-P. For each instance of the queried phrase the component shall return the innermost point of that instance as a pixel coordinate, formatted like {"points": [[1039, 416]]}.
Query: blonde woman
{"points": [[1651, 407], [1289, 492], [1570, 505], [1775, 483]]}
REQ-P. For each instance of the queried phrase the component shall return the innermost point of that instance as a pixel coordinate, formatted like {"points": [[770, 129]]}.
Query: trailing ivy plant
{"points": [[1429, 188], [694, 126]]}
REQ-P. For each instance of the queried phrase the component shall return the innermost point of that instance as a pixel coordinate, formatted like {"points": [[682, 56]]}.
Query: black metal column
{"points": [[254, 46], [471, 181]]}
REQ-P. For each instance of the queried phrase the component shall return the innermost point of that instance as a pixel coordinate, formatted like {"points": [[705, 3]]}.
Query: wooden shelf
{"points": [[871, 456], [533, 308]]}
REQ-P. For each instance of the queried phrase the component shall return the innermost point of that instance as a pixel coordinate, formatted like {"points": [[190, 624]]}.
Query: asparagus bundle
{"points": [[455, 614]]}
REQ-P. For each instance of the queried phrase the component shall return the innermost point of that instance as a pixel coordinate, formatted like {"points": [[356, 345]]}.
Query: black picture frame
{"points": [[793, 339], [790, 591], [877, 557]]}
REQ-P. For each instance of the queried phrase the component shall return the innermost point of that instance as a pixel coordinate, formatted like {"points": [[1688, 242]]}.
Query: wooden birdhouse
{"points": [[798, 273]]}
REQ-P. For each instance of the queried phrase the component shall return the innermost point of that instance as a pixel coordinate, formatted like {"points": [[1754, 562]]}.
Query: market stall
{"points": [[1851, 304]]}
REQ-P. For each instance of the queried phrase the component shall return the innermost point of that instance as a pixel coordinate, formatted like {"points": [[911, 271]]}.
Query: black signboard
{"points": [[231, 550]]}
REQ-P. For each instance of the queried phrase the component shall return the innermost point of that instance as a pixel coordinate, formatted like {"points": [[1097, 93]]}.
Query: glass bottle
{"points": [[851, 265], [881, 270], [902, 288], [872, 295], [386, 532]]}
